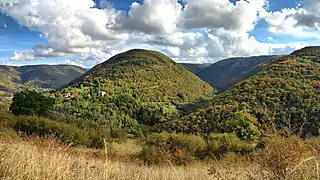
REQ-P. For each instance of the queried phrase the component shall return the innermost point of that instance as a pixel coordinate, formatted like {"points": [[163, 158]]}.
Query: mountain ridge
{"points": [[15, 78], [227, 72]]}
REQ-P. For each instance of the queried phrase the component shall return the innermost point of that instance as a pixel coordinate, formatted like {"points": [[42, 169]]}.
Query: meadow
{"points": [[37, 159]]}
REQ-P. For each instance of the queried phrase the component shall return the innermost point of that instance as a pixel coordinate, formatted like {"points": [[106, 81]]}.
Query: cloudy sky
{"points": [[87, 32]]}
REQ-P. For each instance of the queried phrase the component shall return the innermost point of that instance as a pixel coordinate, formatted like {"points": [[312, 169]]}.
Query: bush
{"points": [[31, 103], [177, 148], [243, 125], [221, 144], [73, 133], [281, 155], [67, 133]]}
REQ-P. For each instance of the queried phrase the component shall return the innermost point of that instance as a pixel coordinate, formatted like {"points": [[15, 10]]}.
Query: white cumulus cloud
{"points": [[222, 14], [197, 31], [153, 16], [302, 21]]}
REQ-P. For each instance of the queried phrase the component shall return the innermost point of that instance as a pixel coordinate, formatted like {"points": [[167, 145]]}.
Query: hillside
{"points": [[313, 52], [137, 86], [225, 73], [37, 76], [283, 97]]}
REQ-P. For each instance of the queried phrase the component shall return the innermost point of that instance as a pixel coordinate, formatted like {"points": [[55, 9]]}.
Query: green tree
{"points": [[243, 125], [31, 103]]}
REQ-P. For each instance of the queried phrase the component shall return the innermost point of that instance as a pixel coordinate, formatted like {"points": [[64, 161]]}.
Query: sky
{"points": [[88, 32]]}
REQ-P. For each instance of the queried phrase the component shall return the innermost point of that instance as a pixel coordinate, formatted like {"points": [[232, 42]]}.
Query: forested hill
{"points": [[283, 97], [14, 78], [137, 86], [227, 72]]}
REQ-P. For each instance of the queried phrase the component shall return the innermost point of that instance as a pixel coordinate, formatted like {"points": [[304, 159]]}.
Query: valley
{"points": [[44, 77], [159, 90], [144, 108]]}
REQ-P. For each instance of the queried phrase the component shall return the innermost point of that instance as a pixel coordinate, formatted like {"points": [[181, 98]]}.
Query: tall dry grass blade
{"points": [[317, 167], [106, 159], [172, 165], [298, 165]]}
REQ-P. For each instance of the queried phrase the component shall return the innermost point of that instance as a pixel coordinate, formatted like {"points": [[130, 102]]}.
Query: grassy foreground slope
{"points": [[56, 162], [284, 96], [13, 79], [43, 159]]}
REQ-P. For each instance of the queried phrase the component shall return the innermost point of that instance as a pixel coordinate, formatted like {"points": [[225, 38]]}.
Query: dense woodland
{"points": [[282, 97]]}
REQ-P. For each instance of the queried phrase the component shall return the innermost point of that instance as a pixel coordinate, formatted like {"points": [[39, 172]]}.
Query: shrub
{"points": [[74, 133], [31, 103], [177, 148], [67, 133], [243, 125], [221, 144], [281, 155]]}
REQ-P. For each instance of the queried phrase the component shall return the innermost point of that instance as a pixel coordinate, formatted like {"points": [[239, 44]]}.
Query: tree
{"points": [[31, 103], [243, 125]]}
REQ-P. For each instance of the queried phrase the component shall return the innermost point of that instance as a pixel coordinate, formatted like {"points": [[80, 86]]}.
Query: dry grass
{"points": [[281, 156], [35, 160], [25, 161]]}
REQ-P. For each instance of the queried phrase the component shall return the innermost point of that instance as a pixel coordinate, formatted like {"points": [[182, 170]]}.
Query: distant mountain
{"points": [[135, 86], [37, 76], [225, 73], [196, 68], [282, 97]]}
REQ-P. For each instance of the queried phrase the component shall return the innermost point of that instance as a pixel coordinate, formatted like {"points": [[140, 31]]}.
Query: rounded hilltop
{"points": [[144, 71], [129, 61], [140, 55], [307, 51]]}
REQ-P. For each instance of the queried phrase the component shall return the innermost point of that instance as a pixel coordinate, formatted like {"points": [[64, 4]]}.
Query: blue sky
{"points": [[271, 30]]}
